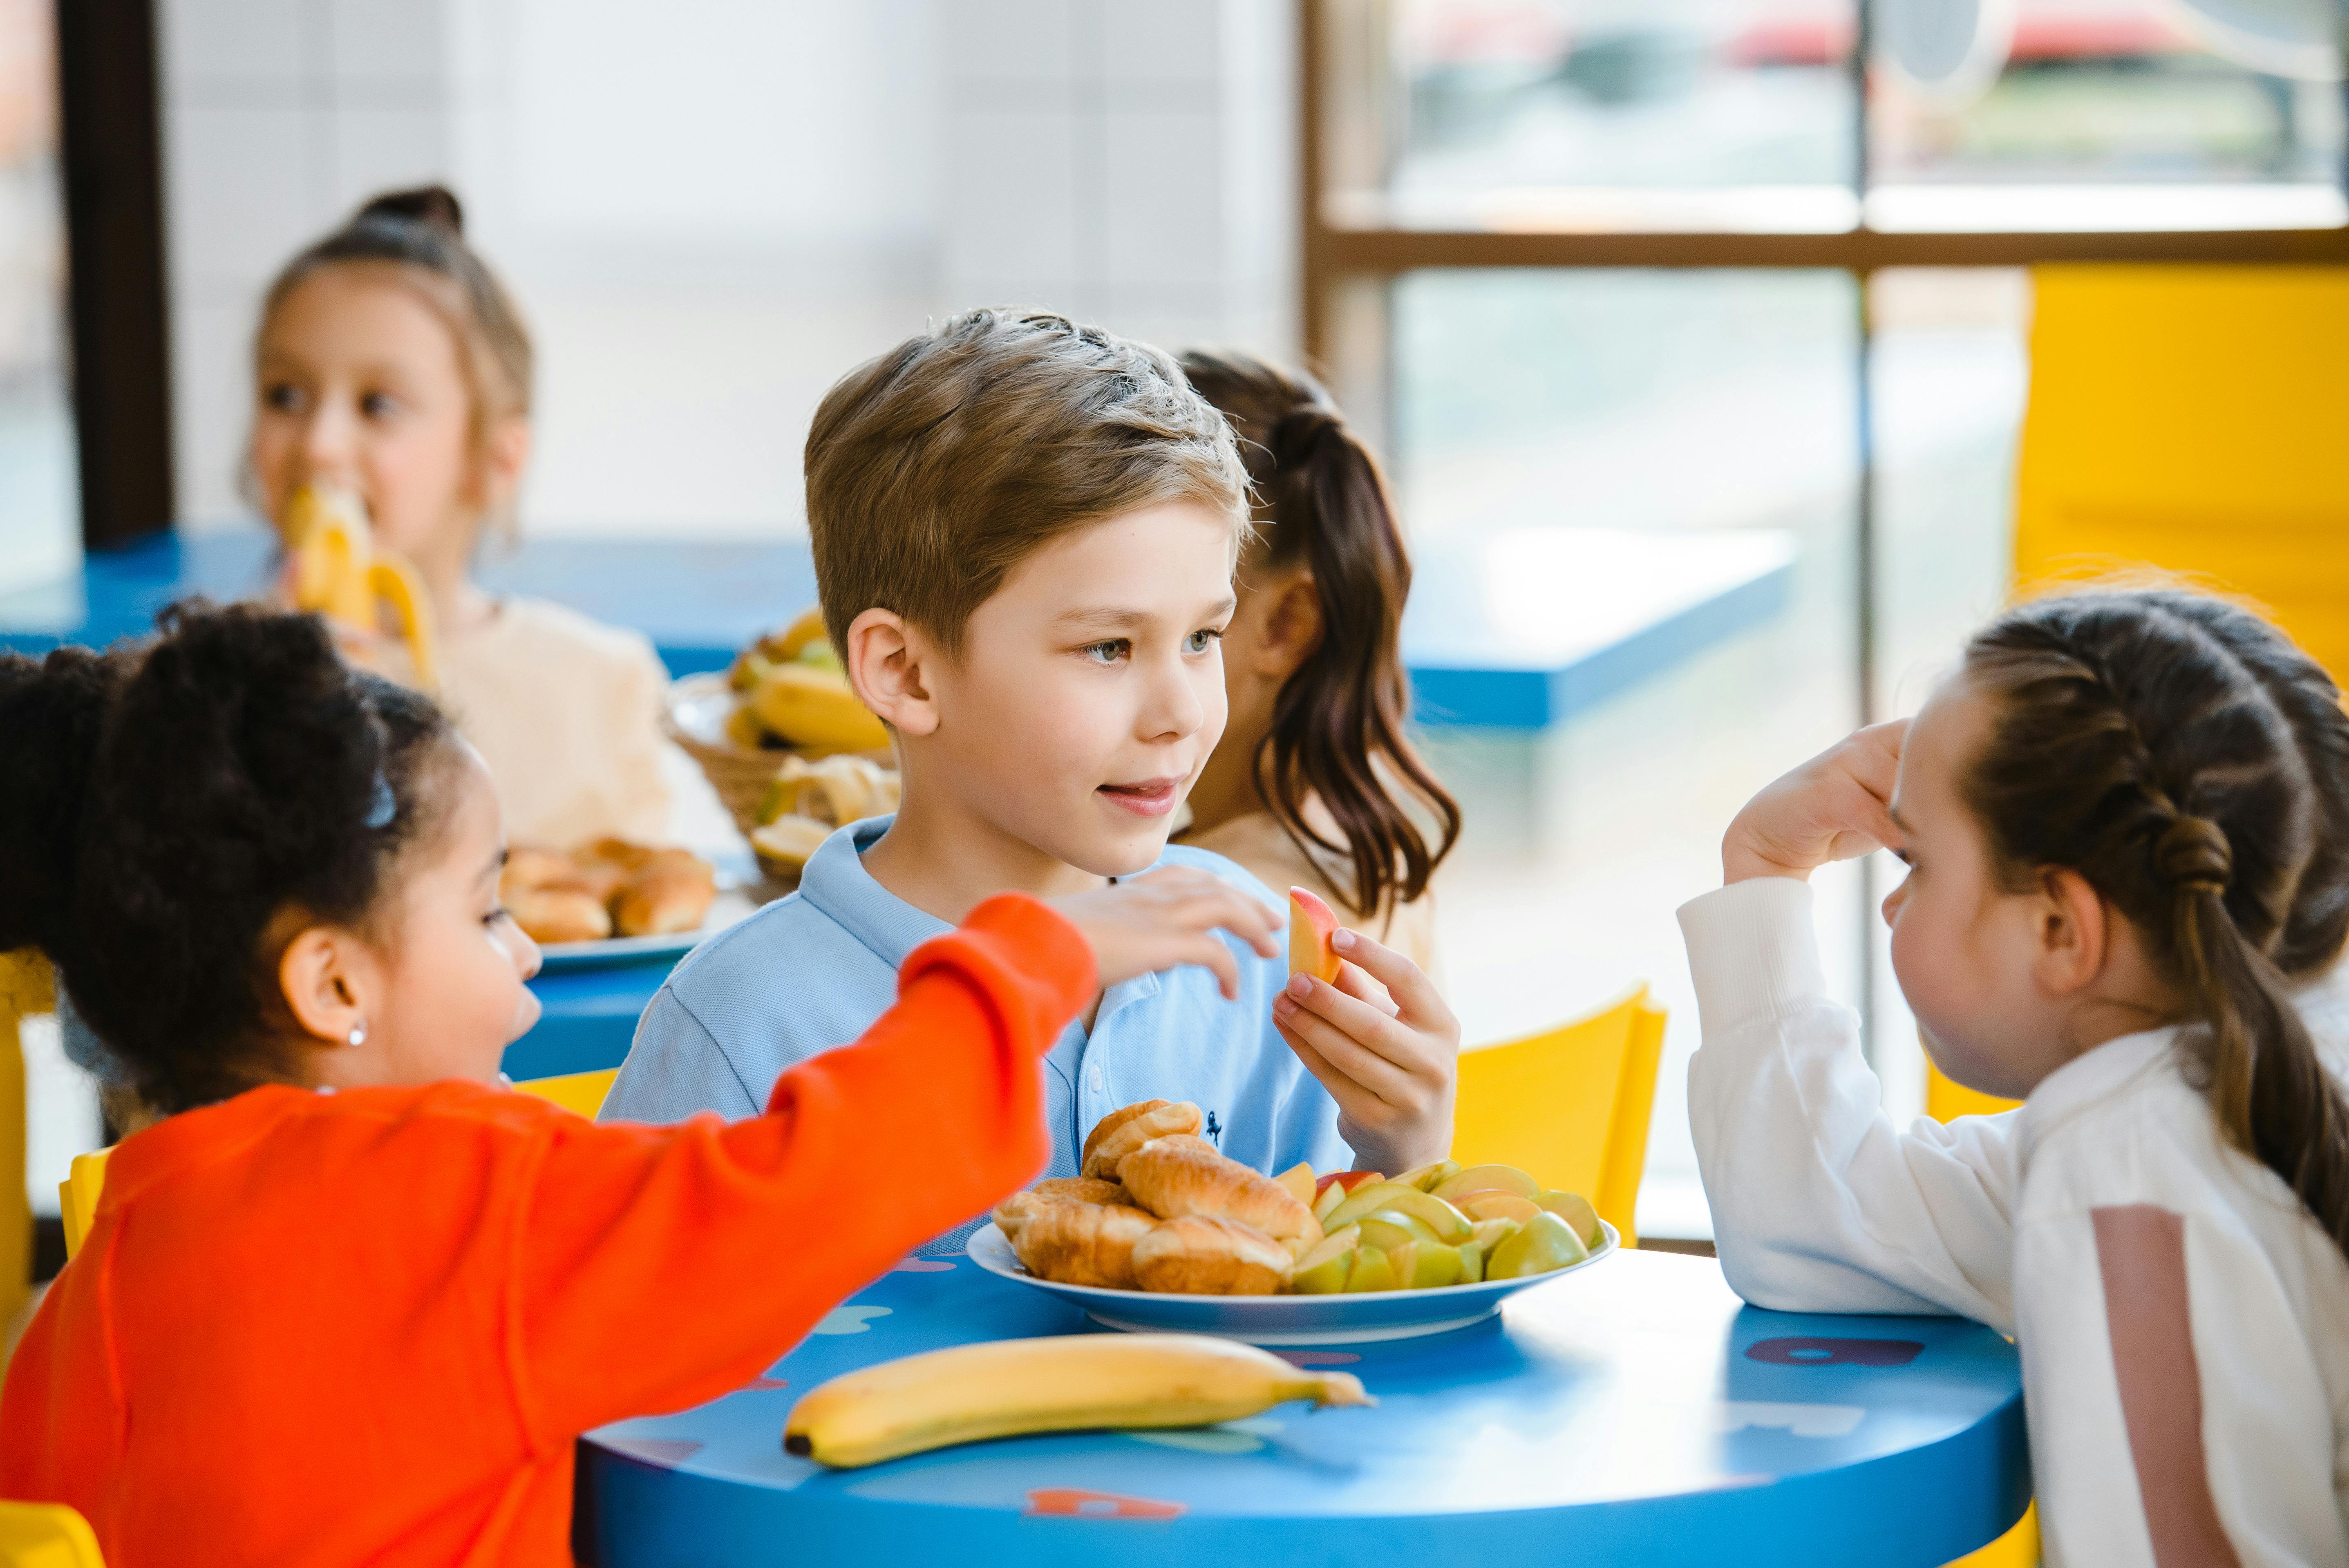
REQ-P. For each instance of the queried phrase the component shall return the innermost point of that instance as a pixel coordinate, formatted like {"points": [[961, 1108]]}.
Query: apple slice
{"points": [[1576, 1210], [1347, 1179], [1479, 1178], [1326, 1201], [1448, 1225], [1298, 1180], [1491, 1233], [1427, 1177], [1388, 1230], [1366, 1198], [1424, 1265], [1311, 924], [1372, 1271], [1471, 1263], [1325, 1277], [1497, 1204], [1545, 1242]]}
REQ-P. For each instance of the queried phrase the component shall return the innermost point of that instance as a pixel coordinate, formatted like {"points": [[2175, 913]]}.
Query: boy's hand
{"points": [[1836, 807], [1385, 1046], [1169, 917]]}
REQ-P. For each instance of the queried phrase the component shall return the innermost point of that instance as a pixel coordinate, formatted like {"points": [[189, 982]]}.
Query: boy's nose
{"points": [[1894, 899], [1176, 708]]}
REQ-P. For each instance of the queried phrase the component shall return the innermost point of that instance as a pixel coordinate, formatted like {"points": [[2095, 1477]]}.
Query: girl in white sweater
{"points": [[2126, 824]]}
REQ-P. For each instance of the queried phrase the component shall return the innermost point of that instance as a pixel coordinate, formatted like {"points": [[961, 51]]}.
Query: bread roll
{"points": [[1123, 1131], [1175, 1177], [554, 914], [663, 901], [1084, 1243], [1197, 1255]]}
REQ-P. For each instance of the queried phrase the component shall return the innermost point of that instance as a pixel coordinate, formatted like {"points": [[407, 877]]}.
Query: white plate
{"points": [[615, 951], [1282, 1319]]}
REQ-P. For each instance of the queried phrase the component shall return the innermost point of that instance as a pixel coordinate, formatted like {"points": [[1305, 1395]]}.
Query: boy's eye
{"points": [[497, 914], [1107, 653], [1200, 641], [379, 406], [283, 397]]}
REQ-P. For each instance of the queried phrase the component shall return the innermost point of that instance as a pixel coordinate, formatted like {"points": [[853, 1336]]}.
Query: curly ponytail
{"points": [[160, 807], [1337, 730], [2184, 759]]}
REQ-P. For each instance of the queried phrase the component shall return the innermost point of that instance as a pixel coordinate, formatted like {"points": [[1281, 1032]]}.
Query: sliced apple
{"points": [[1326, 1201], [1479, 1178], [1311, 924], [1496, 1205], [1471, 1263], [1345, 1181], [1298, 1180], [1372, 1271], [1424, 1265], [1576, 1210], [1449, 1225], [1367, 1199], [1328, 1276], [1491, 1232], [1390, 1230], [1330, 1246], [1543, 1244], [1426, 1177]]}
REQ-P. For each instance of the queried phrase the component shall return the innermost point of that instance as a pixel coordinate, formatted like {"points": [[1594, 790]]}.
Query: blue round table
{"points": [[1634, 1414], [587, 1018]]}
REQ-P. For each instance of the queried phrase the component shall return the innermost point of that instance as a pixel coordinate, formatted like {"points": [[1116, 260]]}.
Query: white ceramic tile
{"points": [[239, 189], [1010, 197], [207, 42], [373, 151], [1162, 42], [400, 46], [1165, 209], [999, 41], [211, 403]]}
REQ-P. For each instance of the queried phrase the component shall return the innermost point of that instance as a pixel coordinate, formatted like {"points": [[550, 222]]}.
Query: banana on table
{"points": [[338, 574], [1077, 1382]]}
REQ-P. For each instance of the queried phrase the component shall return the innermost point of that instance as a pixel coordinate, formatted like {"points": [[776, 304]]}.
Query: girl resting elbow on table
{"points": [[350, 1300], [1315, 783], [2126, 822], [391, 365]]}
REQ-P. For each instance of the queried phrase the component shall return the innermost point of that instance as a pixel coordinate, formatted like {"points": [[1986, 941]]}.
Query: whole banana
{"points": [[1076, 1382]]}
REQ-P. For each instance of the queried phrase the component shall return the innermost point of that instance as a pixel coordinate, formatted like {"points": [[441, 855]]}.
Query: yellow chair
{"points": [[2190, 418], [27, 990], [78, 1197], [582, 1092], [1569, 1106], [46, 1535]]}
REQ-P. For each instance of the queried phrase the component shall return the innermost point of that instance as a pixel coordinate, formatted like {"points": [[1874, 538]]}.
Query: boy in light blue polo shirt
{"points": [[1024, 533]]}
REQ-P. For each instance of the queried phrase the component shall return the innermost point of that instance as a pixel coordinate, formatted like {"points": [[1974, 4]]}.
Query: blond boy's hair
{"points": [[937, 468]]}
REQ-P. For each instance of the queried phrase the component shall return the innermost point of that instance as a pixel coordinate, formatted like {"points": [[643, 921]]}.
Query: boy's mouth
{"points": [[1149, 797]]}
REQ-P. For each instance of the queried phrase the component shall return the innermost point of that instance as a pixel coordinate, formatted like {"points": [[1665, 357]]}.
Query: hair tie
{"points": [[382, 805], [2192, 856]]}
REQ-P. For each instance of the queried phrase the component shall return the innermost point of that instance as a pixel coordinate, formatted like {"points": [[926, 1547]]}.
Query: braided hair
{"points": [[162, 807], [2187, 760], [1337, 730]]}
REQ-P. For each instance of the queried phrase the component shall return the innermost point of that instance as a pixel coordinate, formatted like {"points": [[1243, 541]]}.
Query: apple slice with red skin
{"points": [[1311, 924], [1300, 1182], [1351, 1179]]}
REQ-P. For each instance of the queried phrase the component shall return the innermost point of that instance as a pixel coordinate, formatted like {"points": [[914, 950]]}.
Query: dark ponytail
{"points": [[2184, 758], [1337, 723], [161, 807]]}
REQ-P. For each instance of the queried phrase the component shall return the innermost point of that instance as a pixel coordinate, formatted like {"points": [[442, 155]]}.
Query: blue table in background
{"points": [[1632, 1414], [1518, 630]]}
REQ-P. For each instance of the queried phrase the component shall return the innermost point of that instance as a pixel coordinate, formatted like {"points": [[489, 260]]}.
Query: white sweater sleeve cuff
{"points": [[1752, 952]]}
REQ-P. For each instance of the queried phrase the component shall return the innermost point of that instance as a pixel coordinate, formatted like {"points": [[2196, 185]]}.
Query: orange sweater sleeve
{"points": [[662, 1266]]}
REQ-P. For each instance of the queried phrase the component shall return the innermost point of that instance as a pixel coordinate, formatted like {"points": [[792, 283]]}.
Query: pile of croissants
{"points": [[608, 888], [1158, 1208]]}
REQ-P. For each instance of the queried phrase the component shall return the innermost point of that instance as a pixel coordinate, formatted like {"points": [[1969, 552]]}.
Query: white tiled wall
{"points": [[710, 211]]}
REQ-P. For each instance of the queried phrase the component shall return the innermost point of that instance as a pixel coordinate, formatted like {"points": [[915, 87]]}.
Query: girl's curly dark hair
{"points": [[162, 805]]}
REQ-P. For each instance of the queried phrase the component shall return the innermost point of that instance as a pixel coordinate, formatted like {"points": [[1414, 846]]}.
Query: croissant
{"points": [[1174, 1176], [1017, 1210], [1123, 1131], [1084, 1243], [1198, 1255]]}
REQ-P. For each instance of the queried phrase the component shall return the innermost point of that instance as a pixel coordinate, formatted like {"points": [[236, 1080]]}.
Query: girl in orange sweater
{"points": [[349, 1300]]}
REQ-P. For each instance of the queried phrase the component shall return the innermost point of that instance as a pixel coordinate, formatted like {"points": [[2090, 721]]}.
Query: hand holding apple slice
{"points": [[1311, 924]]}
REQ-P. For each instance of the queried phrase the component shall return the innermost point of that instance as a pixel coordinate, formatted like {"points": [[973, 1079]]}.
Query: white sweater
{"points": [[2184, 1325]]}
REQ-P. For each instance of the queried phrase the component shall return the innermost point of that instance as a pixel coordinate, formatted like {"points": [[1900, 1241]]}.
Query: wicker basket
{"points": [[694, 718]]}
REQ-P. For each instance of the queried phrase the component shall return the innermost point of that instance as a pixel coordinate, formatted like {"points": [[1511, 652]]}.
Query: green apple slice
{"points": [[1478, 1178], [1372, 1271], [1426, 1177], [1543, 1244], [1388, 1230], [1449, 1224], [1425, 1266], [1327, 1276], [1471, 1263], [1489, 1232], [1576, 1210], [1367, 1199]]}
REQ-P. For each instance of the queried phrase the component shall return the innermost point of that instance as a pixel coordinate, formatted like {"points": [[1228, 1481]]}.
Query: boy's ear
{"points": [[884, 660], [2075, 932], [323, 987]]}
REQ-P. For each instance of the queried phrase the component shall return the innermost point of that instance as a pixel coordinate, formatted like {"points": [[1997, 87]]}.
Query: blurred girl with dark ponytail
{"points": [[350, 1299], [2126, 819], [392, 365], [1315, 783]]}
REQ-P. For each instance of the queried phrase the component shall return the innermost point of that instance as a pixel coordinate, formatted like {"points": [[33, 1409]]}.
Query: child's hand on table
{"points": [[1385, 1046], [1836, 807], [1169, 917]]}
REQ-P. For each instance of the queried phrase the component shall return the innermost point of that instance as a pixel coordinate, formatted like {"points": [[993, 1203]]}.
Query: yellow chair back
{"points": [[27, 990], [582, 1092], [2190, 418], [1946, 1099], [46, 1535], [1569, 1106], [78, 1197]]}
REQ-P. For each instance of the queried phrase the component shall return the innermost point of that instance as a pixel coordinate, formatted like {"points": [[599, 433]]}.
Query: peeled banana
{"points": [[338, 574], [1076, 1382]]}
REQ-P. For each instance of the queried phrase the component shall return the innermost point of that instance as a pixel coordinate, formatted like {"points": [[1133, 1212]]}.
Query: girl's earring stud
{"points": [[358, 1032]]}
